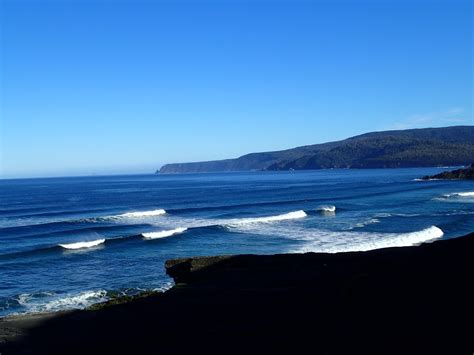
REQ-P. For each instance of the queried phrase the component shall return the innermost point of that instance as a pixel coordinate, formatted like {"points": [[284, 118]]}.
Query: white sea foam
{"points": [[304, 237], [82, 245], [466, 196], [267, 219], [151, 213], [321, 240], [383, 215], [163, 234], [412, 238], [169, 224], [368, 241], [80, 300], [327, 209], [93, 218], [460, 194], [41, 302], [367, 222], [48, 302], [25, 298]]}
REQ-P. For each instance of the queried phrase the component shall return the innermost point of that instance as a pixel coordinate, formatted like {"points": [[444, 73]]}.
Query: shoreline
{"points": [[459, 174], [404, 299]]}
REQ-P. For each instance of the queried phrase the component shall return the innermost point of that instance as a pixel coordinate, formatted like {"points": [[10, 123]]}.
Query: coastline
{"points": [[407, 299], [459, 174]]}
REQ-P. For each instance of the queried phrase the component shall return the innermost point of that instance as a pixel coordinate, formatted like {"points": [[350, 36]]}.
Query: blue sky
{"points": [[96, 87]]}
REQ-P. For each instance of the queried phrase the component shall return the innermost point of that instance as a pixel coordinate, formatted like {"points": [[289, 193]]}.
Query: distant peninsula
{"points": [[426, 147], [459, 174]]}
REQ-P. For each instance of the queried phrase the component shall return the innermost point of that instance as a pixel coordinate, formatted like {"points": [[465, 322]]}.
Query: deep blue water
{"points": [[258, 212]]}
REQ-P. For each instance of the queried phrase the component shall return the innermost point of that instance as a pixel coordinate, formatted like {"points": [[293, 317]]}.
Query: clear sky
{"points": [[95, 87]]}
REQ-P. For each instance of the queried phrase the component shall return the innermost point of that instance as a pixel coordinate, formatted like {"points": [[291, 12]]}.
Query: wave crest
{"points": [[82, 245], [268, 219], [327, 209], [460, 194], [414, 238], [151, 213], [163, 234], [354, 241]]}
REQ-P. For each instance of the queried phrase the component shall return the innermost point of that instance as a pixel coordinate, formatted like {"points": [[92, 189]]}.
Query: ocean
{"points": [[71, 242]]}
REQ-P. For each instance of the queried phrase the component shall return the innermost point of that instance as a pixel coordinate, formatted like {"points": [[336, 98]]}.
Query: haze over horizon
{"points": [[124, 87]]}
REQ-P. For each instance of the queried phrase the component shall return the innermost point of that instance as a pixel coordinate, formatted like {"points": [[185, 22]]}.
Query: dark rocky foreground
{"points": [[413, 300], [463, 174]]}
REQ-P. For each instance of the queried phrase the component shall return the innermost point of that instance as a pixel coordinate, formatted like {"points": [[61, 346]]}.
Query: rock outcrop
{"points": [[410, 300], [461, 174]]}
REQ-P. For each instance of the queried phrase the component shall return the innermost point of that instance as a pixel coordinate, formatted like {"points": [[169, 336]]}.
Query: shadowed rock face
{"points": [[463, 174], [412, 300]]}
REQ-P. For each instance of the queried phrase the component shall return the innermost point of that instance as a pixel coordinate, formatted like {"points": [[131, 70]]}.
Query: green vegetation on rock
{"points": [[390, 149]]}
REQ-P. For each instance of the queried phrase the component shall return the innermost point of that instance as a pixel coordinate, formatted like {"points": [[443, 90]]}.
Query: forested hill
{"points": [[388, 149]]}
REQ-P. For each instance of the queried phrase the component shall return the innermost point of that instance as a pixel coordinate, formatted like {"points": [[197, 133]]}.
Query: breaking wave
{"points": [[327, 209], [327, 241], [466, 196], [460, 194], [353, 241], [414, 238], [267, 219], [151, 213], [45, 301], [80, 300], [49, 301], [163, 234], [82, 245], [72, 217]]}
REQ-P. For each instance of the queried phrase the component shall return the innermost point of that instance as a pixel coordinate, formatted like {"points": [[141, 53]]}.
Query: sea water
{"points": [[71, 242]]}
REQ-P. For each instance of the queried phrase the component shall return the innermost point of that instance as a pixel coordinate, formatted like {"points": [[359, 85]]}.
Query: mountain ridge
{"points": [[420, 147]]}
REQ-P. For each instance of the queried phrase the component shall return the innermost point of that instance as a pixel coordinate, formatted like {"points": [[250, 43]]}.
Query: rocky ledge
{"points": [[412, 300], [462, 174]]}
